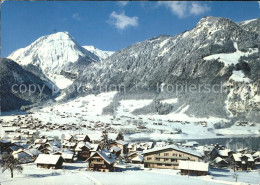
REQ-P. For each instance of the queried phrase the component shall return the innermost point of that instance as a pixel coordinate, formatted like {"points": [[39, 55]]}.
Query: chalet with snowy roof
{"points": [[121, 144], [22, 156], [83, 150], [168, 157], [139, 159], [49, 161], [193, 168], [115, 150], [243, 161], [101, 161], [66, 155], [69, 138], [82, 138], [220, 151], [219, 162]]}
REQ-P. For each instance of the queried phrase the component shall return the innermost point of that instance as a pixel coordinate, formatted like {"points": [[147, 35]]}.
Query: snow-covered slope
{"points": [[100, 53], [211, 53], [58, 57]]}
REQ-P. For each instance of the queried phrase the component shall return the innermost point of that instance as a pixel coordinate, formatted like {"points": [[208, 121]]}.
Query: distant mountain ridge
{"points": [[188, 58], [215, 51], [100, 53]]}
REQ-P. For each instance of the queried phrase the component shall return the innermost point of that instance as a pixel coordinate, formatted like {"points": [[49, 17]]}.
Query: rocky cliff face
{"points": [[19, 87]]}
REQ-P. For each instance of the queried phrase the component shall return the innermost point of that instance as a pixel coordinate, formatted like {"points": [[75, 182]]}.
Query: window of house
{"points": [[167, 164], [98, 160], [159, 164], [149, 158], [166, 154], [165, 159], [157, 159], [180, 155]]}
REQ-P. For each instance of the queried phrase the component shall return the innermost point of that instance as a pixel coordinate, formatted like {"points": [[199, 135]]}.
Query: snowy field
{"points": [[88, 110], [77, 174]]}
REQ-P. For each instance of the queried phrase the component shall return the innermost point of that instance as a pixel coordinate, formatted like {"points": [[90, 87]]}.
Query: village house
{"points": [[121, 144], [193, 168], [66, 155], [82, 138], [220, 151], [83, 150], [115, 150], [49, 161], [242, 161], [139, 159], [168, 157], [219, 162], [256, 157], [101, 161]]}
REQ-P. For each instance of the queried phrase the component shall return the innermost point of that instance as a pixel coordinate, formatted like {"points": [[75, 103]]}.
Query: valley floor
{"points": [[76, 173]]}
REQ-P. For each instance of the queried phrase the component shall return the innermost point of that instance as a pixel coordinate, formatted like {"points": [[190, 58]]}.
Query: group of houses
{"points": [[242, 159], [28, 145]]}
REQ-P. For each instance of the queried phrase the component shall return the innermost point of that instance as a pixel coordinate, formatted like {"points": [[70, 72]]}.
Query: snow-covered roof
{"points": [[237, 157], [116, 149], [32, 152], [219, 159], [67, 155], [256, 154], [174, 147], [5, 141], [192, 165], [81, 137], [47, 159], [121, 142], [68, 137], [190, 144], [224, 152], [138, 158], [107, 156]]}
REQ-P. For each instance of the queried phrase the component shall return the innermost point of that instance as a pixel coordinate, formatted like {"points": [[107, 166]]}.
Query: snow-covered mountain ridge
{"points": [[100, 53]]}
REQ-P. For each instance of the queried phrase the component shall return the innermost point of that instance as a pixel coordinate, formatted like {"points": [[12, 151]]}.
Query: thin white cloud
{"points": [[177, 7], [122, 3], [76, 16], [258, 4], [184, 9], [197, 9], [122, 21]]}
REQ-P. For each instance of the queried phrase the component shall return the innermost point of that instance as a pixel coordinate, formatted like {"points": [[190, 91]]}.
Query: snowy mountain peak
{"points": [[54, 54], [100, 53]]}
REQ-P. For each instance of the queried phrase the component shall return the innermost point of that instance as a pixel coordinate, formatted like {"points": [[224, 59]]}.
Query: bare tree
{"points": [[235, 176], [10, 163]]}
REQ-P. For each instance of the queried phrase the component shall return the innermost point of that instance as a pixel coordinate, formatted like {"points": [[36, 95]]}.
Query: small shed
{"points": [[49, 161]]}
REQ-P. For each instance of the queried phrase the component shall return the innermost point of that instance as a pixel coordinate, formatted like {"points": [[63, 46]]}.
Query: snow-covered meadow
{"points": [[76, 173]]}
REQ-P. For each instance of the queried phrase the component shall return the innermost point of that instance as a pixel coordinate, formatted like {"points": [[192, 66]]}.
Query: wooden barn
{"points": [[193, 168], [49, 161]]}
